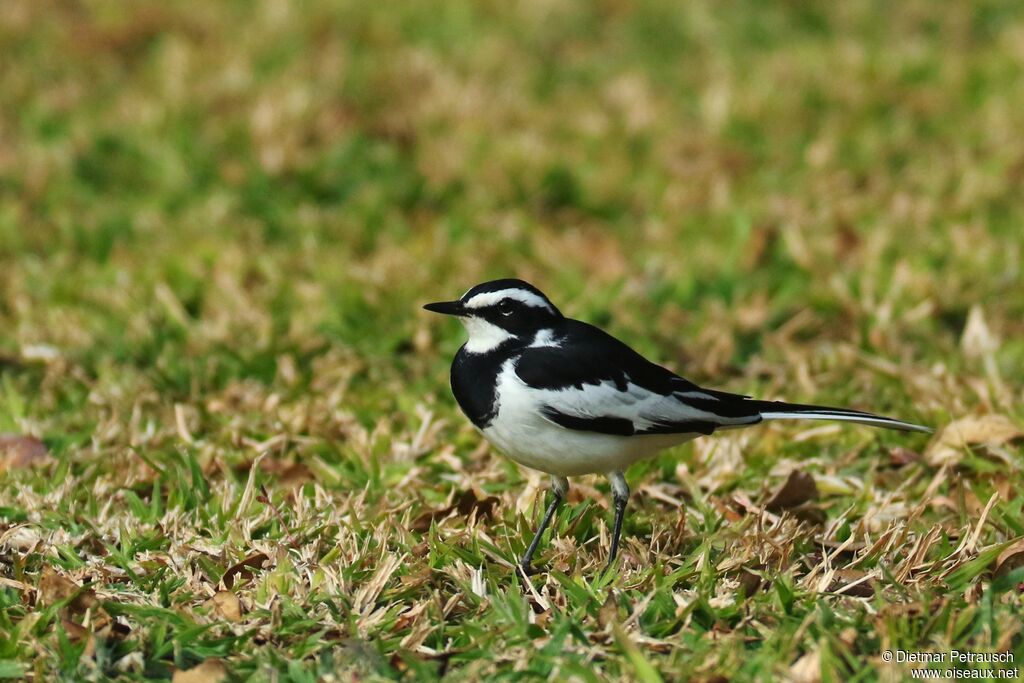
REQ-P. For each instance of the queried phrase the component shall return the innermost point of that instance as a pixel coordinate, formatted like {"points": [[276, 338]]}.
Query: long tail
{"points": [[736, 410], [780, 410]]}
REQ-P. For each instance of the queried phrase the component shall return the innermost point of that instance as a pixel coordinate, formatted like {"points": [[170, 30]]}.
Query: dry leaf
{"points": [[899, 456], [1010, 559], [798, 489], [54, 588], [244, 569], [749, 581], [283, 471], [21, 451], [210, 671], [1004, 487], [609, 612], [226, 604], [984, 430], [852, 582], [75, 632], [811, 514], [465, 505], [100, 621], [293, 474], [730, 514]]}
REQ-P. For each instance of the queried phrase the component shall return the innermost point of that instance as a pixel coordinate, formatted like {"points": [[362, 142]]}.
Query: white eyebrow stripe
{"points": [[489, 298]]}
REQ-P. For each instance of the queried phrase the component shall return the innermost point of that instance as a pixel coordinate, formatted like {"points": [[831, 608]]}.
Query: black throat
{"points": [[474, 381]]}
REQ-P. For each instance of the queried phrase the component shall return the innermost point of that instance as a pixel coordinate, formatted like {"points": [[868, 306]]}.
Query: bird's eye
{"points": [[505, 307]]}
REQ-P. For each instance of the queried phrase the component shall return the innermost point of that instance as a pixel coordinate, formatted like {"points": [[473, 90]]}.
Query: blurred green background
{"points": [[325, 166], [218, 222]]}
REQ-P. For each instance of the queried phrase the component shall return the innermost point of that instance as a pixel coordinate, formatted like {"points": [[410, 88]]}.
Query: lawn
{"points": [[229, 447]]}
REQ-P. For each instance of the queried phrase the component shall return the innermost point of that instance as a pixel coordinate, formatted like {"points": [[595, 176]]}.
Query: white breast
{"points": [[522, 433]]}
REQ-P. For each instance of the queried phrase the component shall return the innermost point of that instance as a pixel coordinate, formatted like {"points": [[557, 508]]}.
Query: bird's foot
{"points": [[526, 569]]}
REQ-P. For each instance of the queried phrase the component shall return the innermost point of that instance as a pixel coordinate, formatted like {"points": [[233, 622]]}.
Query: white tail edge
{"points": [[842, 416]]}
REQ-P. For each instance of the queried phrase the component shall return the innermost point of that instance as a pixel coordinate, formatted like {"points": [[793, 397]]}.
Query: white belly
{"points": [[527, 437]]}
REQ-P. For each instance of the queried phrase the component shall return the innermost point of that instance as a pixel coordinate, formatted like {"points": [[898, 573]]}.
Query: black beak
{"points": [[447, 307]]}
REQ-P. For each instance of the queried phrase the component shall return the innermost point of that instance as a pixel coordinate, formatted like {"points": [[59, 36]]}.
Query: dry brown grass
{"points": [[217, 225]]}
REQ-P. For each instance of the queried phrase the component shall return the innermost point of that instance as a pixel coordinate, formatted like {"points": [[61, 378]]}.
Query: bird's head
{"points": [[500, 312]]}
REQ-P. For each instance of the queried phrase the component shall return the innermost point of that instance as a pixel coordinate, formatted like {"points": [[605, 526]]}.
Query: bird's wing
{"points": [[590, 381], [587, 380]]}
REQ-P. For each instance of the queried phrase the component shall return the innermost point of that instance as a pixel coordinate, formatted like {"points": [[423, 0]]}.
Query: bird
{"points": [[568, 399]]}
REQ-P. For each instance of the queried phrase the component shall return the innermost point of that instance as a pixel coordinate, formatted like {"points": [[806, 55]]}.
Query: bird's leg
{"points": [[620, 494], [559, 489]]}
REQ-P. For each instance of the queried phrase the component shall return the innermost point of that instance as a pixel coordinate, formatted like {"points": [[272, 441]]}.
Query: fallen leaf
{"points": [[1010, 559], [54, 588], [244, 569], [899, 456], [294, 474], [749, 581], [75, 632], [100, 621], [812, 514], [609, 612], [18, 451], [284, 471], [1004, 486], [210, 671], [949, 444], [797, 490], [226, 604], [852, 582], [730, 514], [465, 505]]}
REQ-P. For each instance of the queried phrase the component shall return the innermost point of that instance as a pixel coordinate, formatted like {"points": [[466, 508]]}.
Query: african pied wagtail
{"points": [[566, 398]]}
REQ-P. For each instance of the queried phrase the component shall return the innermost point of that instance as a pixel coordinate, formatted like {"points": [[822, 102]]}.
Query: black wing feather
{"points": [[590, 356]]}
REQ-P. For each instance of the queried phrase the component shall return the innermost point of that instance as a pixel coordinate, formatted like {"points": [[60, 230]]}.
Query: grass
{"points": [[217, 225]]}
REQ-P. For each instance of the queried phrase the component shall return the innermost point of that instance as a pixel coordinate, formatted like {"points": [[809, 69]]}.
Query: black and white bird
{"points": [[566, 398]]}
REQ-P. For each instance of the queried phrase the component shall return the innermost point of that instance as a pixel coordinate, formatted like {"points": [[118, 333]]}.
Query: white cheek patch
{"points": [[484, 336], [520, 295]]}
